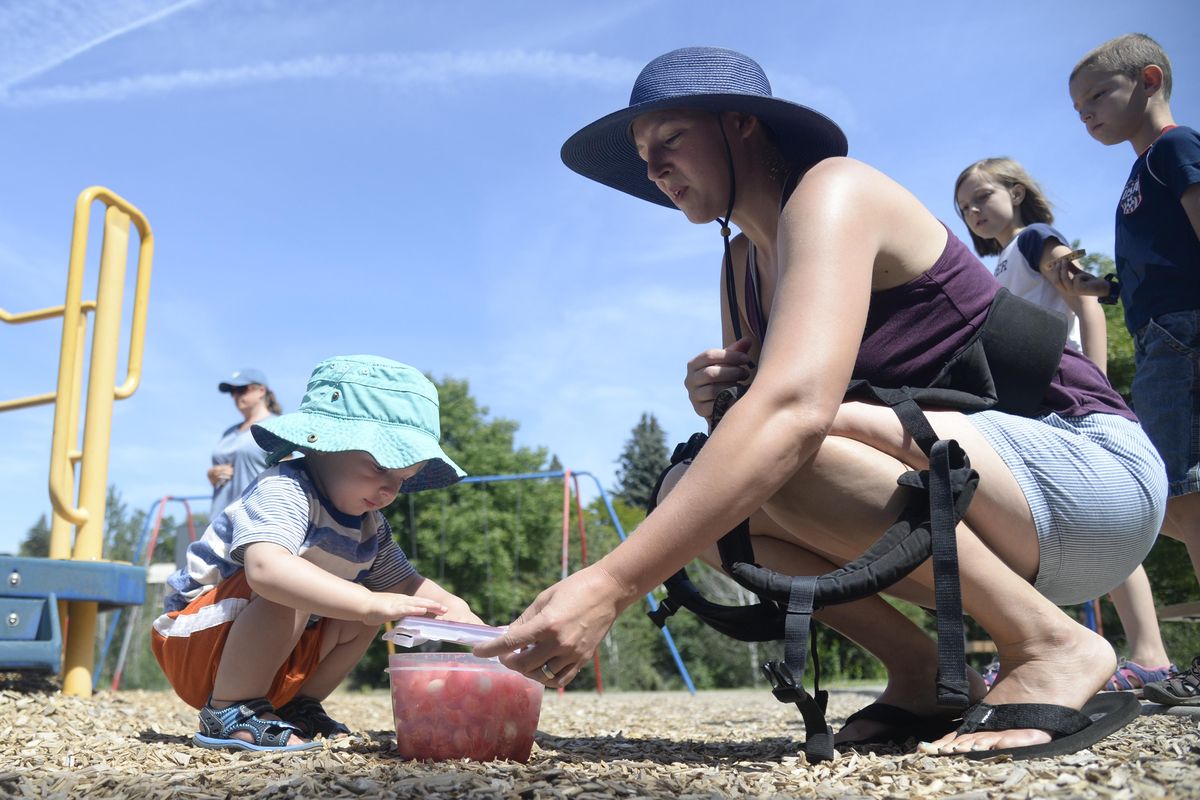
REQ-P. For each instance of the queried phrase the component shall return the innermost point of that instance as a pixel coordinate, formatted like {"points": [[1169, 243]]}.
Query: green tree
{"points": [[643, 459], [37, 541], [495, 544], [1120, 343]]}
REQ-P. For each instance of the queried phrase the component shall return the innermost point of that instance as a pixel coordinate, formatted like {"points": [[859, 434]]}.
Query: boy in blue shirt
{"points": [[288, 586], [1122, 92]]}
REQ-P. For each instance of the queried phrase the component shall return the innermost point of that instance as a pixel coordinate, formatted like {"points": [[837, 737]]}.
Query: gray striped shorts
{"points": [[1097, 489]]}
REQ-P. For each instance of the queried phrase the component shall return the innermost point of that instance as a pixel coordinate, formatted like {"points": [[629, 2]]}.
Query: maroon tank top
{"points": [[914, 329]]}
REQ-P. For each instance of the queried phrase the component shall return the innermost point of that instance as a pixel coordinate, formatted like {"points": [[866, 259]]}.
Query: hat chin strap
{"points": [[730, 288]]}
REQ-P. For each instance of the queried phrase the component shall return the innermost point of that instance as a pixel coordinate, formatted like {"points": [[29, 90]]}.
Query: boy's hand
{"points": [[714, 370], [389, 606]]}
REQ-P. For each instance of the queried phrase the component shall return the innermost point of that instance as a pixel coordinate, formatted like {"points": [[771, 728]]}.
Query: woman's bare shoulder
{"points": [[848, 199]]}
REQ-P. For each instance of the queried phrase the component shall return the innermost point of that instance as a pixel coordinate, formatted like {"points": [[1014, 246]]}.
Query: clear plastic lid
{"points": [[412, 631]]}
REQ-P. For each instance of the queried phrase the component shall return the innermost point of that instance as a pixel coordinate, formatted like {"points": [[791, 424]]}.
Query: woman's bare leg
{"points": [[847, 495], [908, 654]]}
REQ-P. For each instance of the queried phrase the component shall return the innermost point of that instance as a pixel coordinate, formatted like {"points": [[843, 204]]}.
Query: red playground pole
{"points": [[583, 555]]}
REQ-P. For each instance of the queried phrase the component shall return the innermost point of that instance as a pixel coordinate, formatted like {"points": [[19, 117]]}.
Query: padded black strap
{"points": [[952, 661], [761, 622], [1024, 345]]}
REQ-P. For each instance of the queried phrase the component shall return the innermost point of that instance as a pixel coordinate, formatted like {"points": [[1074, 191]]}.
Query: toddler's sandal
{"points": [[217, 727], [307, 714]]}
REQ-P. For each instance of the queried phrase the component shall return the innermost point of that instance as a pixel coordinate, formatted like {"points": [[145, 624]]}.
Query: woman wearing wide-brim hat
{"points": [[839, 272]]}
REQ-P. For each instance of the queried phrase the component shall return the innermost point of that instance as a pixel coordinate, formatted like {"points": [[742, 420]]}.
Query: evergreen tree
{"points": [[37, 540], [644, 457]]}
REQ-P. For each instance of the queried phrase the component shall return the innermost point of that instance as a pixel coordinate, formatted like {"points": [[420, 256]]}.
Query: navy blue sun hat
{"points": [[368, 403], [706, 78]]}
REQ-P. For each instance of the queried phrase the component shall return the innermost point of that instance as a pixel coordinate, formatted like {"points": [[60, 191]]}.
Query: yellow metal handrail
{"points": [[87, 306], [112, 259], [88, 516]]}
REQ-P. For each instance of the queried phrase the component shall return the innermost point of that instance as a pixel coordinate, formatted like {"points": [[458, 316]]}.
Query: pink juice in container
{"points": [[454, 705]]}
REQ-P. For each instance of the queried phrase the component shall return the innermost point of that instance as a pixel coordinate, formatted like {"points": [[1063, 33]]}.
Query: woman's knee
{"points": [[673, 476]]}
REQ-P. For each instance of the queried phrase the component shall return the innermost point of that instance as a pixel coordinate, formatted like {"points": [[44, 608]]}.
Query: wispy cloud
{"points": [[397, 70], [40, 36]]}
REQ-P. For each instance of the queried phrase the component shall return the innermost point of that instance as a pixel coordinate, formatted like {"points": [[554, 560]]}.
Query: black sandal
{"points": [[309, 717], [217, 726], [900, 725], [1071, 730]]}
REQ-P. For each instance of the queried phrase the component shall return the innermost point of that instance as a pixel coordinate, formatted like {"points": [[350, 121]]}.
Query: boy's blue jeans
{"points": [[1166, 394]]}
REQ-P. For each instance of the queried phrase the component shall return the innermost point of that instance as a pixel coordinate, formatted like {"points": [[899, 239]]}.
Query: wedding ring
{"points": [[549, 673]]}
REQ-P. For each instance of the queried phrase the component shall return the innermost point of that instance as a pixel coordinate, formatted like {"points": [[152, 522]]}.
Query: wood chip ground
{"points": [[629, 745]]}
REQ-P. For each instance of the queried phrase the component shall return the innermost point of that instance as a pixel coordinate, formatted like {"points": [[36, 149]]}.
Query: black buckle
{"points": [[818, 743], [786, 689], [666, 607]]}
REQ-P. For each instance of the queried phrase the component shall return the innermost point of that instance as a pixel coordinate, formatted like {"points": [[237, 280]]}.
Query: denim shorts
{"points": [[1166, 394], [1097, 491]]}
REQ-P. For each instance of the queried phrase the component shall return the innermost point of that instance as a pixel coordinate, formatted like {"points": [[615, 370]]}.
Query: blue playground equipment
{"points": [[49, 605]]}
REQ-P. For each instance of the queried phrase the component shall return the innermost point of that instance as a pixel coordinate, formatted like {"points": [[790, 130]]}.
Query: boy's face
{"points": [[355, 483], [1111, 105]]}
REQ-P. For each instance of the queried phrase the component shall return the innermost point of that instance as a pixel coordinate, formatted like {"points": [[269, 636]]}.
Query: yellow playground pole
{"points": [[80, 644], [92, 457]]}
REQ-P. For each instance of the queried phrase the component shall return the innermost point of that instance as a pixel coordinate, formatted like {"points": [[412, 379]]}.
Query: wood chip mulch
{"points": [[655, 745]]}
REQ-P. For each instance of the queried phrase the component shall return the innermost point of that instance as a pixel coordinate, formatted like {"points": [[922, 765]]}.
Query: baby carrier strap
{"points": [[761, 622], [1006, 365]]}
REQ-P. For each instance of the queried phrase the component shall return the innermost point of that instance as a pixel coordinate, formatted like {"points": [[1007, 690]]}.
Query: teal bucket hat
{"points": [[383, 407]]}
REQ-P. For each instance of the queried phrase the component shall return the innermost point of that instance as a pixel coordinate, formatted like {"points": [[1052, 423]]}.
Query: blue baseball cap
{"points": [[243, 377]]}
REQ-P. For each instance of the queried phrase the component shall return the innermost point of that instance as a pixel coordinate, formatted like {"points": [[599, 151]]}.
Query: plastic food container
{"points": [[454, 705]]}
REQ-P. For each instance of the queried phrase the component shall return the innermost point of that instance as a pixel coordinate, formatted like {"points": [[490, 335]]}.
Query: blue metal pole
{"points": [[683, 672]]}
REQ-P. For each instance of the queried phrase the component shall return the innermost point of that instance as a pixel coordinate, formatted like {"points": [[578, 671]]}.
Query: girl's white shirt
{"points": [[1015, 273]]}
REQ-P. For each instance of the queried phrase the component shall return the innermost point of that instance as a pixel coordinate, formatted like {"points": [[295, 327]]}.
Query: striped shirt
{"points": [[284, 507]]}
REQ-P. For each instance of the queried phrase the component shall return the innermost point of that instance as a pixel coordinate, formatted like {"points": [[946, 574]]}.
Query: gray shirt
{"points": [[237, 447]]}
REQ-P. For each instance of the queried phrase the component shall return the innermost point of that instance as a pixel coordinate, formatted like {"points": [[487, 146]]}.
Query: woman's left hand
{"points": [[562, 628]]}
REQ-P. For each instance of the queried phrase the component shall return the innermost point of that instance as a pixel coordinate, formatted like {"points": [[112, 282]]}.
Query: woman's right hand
{"points": [[219, 474], [714, 370]]}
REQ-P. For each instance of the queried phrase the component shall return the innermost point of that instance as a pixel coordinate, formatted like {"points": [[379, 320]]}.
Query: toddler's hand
{"points": [[714, 370], [462, 615], [389, 606]]}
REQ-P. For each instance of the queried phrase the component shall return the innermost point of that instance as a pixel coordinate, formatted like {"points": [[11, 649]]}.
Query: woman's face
{"points": [[685, 157], [987, 206], [248, 398]]}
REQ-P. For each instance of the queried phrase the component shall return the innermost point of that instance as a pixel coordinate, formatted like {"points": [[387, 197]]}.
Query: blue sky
{"points": [[383, 177]]}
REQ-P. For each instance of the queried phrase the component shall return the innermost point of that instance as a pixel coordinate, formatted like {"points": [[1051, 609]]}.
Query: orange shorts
{"points": [[188, 645]]}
